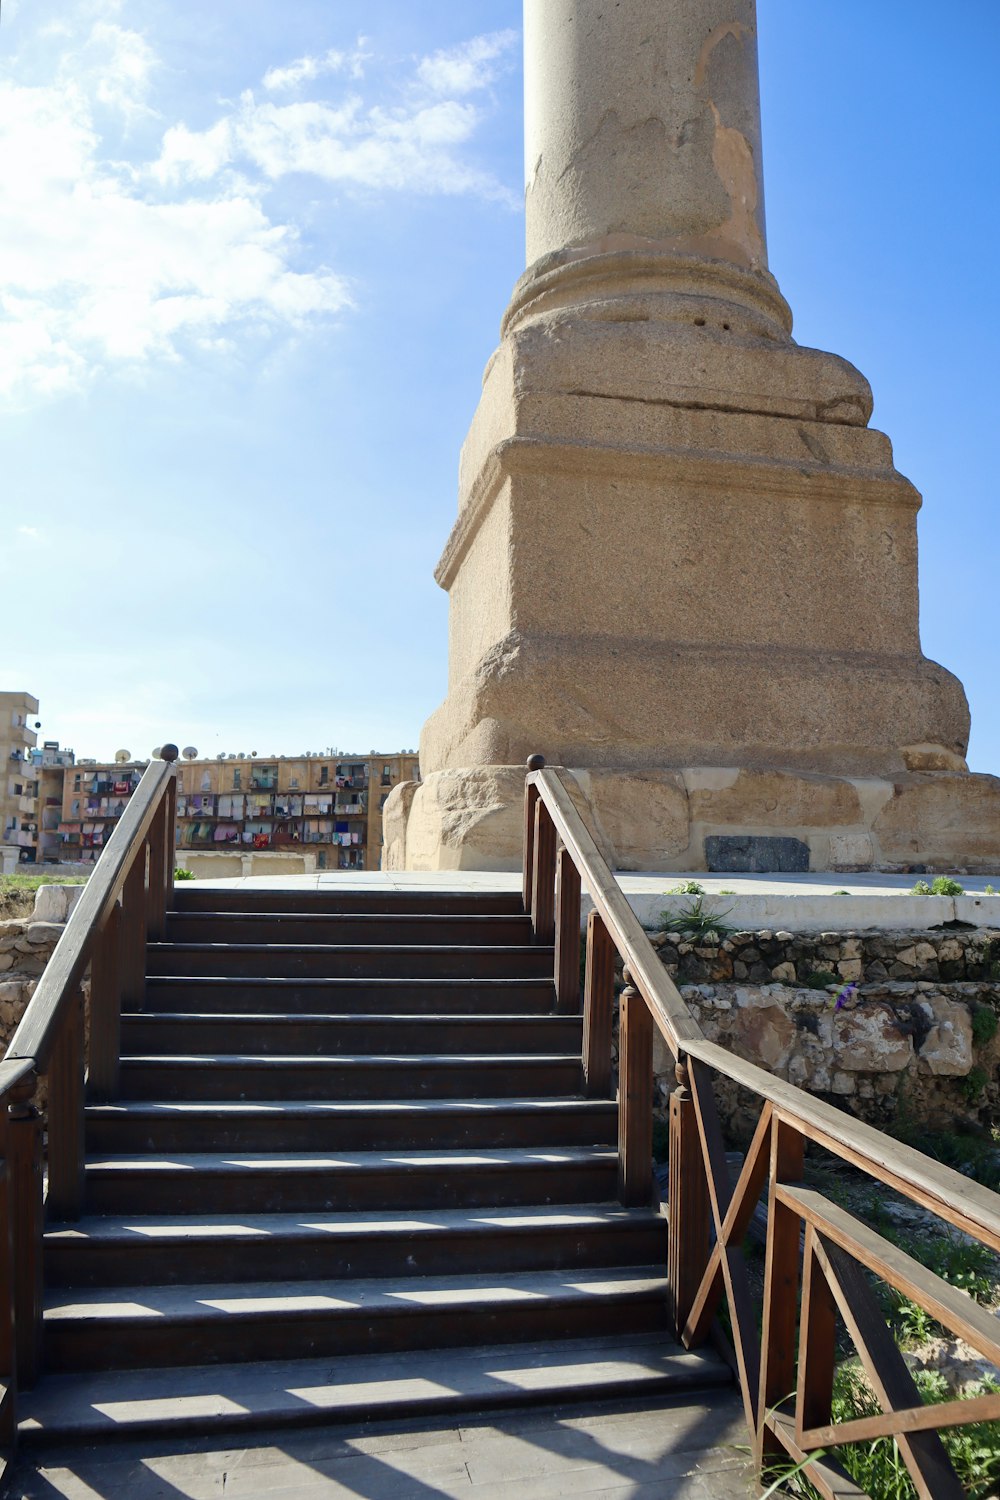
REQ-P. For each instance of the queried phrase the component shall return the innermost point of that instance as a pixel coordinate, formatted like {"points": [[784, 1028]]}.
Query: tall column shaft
{"points": [[683, 565], [642, 128]]}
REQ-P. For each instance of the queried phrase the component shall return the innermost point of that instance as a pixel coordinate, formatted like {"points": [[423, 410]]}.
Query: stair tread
{"points": [[470, 949], [261, 914], [357, 1295], [365, 1386], [249, 1161], [323, 1108], [138, 1229], [351, 1017], [344, 1059]]}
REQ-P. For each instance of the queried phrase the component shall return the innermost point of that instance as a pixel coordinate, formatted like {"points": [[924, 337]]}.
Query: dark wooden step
{"points": [[364, 929], [348, 1125], [208, 1324], [218, 994], [331, 1036], [175, 1403], [133, 1251], [349, 1181], [198, 898], [411, 1076], [263, 960]]}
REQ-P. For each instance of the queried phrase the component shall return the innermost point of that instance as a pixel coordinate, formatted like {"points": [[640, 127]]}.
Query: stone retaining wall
{"points": [[909, 1023]]}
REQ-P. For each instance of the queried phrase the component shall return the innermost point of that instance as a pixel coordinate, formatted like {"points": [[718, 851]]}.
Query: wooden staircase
{"points": [[350, 1169]]}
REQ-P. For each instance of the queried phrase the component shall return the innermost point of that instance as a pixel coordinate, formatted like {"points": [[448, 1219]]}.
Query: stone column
{"points": [[683, 565], [642, 129]]}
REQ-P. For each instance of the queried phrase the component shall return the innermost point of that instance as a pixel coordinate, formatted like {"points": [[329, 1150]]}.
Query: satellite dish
{"points": [[221, 755], [231, 755], [242, 755], [253, 755], [189, 752], [156, 752], [122, 757]]}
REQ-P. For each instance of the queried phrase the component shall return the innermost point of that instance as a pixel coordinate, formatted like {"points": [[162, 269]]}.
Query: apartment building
{"points": [[50, 761], [18, 790], [327, 807], [330, 806]]}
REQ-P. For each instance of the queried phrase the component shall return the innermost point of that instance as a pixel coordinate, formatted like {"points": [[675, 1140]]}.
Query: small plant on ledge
{"points": [[941, 885], [694, 922]]}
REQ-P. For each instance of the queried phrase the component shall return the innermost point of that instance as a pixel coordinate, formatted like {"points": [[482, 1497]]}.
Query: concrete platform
{"points": [[606, 1451], [794, 903]]}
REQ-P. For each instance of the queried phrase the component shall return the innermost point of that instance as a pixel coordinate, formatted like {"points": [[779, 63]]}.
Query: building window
{"points": [[324, 775], [237, 781]]}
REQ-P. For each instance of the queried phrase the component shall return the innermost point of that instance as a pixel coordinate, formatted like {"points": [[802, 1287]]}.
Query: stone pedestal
{"points": [[682, 558]]}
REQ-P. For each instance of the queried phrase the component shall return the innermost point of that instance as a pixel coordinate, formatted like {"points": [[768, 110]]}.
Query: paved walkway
{"points": [[691, 1452]]}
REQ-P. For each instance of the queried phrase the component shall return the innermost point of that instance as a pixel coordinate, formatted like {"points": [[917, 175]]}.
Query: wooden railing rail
{"points": [[786, 1378], [123, 905]]}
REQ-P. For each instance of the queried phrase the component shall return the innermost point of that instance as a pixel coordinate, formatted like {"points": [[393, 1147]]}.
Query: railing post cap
{"points": [[169, 752], [536, 762]]}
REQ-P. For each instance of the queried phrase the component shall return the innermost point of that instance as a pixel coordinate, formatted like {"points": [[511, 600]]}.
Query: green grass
{"points": [[32, 882], [878, 1468], [17, 892], [820, 979], [984, 1025]]}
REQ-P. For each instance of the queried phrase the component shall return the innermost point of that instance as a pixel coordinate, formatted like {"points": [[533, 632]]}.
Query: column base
{"points": [[709, 818]]}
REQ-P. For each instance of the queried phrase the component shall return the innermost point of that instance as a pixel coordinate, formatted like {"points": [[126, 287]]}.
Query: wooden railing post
{"points": [[24, 1139], [65, 1115], [535, 763], [133, 933], [106, 1009], [543, 889], [687, 1204], [156, 888], [781, 1287], [567, 957], [171, 837], [635, 1099], [598, 1003], [8, 1355]]}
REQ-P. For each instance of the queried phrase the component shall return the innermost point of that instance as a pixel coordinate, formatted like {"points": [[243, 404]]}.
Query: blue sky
{"points": [[253, 260]]}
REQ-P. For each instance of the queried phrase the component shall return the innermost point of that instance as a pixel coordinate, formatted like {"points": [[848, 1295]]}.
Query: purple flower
{"points": [[847, 993]]}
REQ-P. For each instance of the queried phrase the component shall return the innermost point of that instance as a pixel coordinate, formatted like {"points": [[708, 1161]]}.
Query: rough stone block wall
{"points": [[888, 1025]]}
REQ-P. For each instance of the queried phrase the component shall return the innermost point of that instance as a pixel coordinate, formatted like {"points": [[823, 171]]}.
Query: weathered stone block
{"points": [[775, 798], [943, 819], [870, 1041], [947, 1048]]}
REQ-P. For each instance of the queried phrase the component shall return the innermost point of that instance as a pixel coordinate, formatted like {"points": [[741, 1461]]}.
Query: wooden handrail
{"points": [[34, 1035], [965, 1203], [669, 1010], [122, 906], [840, 1251]]}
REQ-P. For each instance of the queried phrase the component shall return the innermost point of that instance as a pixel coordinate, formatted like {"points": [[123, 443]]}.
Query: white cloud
{"points": [[110, 262], [95, 274], [470, 66], [30, 533], [306, 69], [121, 63], [412, 148]]}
